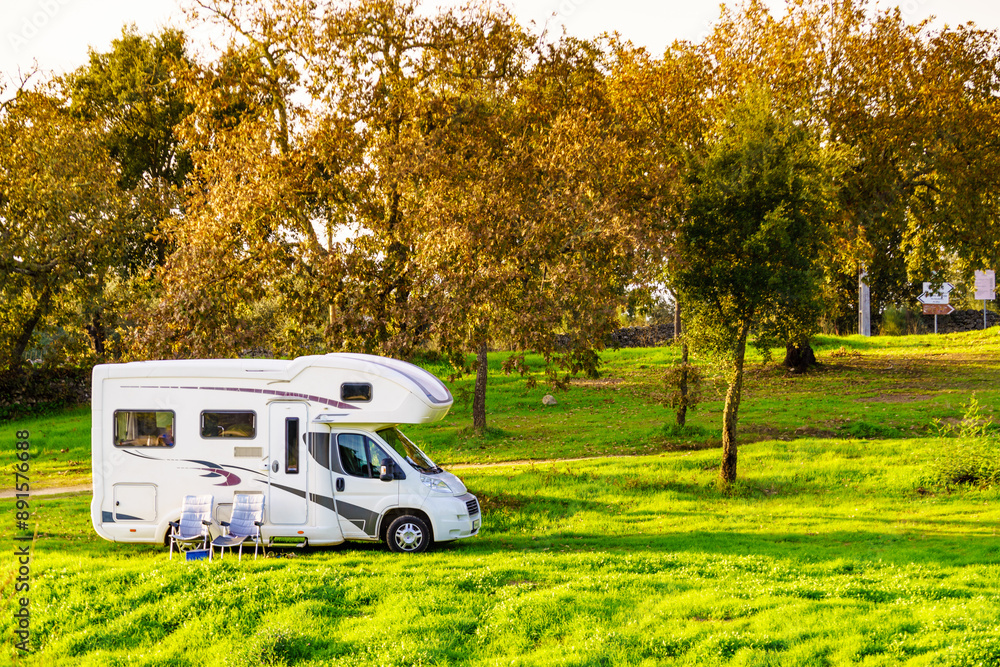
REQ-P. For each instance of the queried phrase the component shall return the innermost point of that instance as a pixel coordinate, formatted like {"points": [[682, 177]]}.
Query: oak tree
{"points": [[748, 240]]}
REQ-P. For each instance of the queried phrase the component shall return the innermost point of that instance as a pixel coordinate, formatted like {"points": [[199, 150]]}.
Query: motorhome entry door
{"points": [[287, 478]]}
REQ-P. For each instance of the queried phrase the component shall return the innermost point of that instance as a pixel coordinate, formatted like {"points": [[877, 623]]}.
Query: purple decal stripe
{"points": [[268, 392], [287, 394], [230, 479], [211, 469]]}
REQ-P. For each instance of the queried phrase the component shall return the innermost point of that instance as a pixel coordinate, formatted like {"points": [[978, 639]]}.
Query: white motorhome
{"points": [[317, 436]]}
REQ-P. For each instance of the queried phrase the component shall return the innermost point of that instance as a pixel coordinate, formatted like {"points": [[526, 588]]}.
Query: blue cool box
{"points": [[197, 554]]}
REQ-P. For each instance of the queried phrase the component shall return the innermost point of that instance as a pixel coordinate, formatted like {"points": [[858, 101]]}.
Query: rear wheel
{"points": [[408, 534]]}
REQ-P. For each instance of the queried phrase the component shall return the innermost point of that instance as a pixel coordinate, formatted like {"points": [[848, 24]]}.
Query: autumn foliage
{"points": [[380, 176]]}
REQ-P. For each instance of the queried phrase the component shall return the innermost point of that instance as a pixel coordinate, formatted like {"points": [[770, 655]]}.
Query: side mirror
{"points": [[387, 472]]}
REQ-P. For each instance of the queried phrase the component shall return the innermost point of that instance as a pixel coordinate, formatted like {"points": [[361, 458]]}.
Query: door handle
{"points": [[274, 466], [340, 483]]}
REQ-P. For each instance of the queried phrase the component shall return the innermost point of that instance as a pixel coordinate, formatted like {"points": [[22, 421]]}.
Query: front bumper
{"points": [[457, 518]]}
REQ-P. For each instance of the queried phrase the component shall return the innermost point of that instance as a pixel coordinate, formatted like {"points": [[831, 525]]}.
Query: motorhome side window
{"points": [[144, 428], [356, 391], [359, 456], [292, 445], [228, 424]]}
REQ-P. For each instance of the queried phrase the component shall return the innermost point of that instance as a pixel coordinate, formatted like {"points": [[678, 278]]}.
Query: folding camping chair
{"points": [[192, 528], [248, 516]]}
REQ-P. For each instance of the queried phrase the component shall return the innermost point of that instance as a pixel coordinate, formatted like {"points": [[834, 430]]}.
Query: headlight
{"points": [[436, 485]]}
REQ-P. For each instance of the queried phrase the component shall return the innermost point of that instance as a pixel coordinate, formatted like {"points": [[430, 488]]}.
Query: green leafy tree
{"points": [[134, 93], [748, 241], [913, 107]]}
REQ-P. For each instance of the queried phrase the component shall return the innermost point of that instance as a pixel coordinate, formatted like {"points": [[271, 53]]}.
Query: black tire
{"points": [[408, 534]]}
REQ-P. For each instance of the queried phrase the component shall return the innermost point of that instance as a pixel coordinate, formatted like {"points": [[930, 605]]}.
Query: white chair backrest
{"points": [[195, 510], [248, 508]]}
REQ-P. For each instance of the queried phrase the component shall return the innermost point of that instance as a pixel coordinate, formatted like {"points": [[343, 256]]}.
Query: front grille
{"points": [[473, 506]]}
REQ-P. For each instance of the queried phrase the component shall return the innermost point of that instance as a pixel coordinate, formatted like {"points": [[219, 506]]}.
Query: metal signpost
{"points": [[936, 301], [985, 289], [864, 305]]}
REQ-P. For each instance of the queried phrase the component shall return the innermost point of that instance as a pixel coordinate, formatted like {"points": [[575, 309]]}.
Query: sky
{"points": [[57, 33]]}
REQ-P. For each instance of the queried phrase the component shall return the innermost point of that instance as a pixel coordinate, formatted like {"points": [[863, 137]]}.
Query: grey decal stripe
{"points": [[368, 520], [354, 513], [299, 492], [324, 501], [320, 449]]}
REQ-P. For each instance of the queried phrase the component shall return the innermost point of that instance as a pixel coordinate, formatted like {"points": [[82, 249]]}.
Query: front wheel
{"points": [[408, 534]]}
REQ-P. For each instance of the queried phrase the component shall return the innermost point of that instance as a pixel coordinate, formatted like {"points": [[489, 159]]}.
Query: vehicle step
{"points": [[291, 541]]}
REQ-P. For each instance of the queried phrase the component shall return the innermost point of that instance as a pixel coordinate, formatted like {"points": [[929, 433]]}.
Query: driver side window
{"points": [[377, 455], [359, 456]]}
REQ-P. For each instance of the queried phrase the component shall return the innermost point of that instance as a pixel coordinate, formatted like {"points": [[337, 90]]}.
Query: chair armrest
{"points": [[224, 524], [175, 524], [258, 523], [207, 523]]}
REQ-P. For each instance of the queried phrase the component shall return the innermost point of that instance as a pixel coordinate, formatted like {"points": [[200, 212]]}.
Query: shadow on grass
{"points": [[530, 522], [954, 549], [933, 543]]}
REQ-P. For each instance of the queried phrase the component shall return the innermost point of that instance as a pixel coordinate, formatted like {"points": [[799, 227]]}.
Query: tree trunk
{"points": [[730, 414], [677, 320], [683, 408], [97, 333], [28, 330], [479, 398], [799, 359]]}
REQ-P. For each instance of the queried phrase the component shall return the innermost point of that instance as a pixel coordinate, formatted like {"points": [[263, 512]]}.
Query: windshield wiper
{"points": [[429, 471]]}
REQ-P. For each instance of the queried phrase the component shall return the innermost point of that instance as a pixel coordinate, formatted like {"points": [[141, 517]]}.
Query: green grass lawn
{"points": [[885, 387], [836, 546]]}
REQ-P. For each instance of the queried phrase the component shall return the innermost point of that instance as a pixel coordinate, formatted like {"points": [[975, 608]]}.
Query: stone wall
{"points": [[38, 391], [662, 334], [961, 320], [651, 336]]}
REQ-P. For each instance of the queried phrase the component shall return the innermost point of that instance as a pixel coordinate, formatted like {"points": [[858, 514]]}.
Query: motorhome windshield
{"points": [[404, 447]]}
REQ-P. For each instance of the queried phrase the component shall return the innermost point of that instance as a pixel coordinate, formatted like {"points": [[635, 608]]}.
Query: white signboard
{"points": [[939, 296], [985, 285]]}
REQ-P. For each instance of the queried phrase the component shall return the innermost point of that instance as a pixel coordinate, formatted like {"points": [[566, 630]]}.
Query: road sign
{"points": [[986, 285], [939, 296], [938, 309]]}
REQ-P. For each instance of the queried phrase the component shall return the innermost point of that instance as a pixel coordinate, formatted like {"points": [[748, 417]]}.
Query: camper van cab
{"points": [[317, 436]]}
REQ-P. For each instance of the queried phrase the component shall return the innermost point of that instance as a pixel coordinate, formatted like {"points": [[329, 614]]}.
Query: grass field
{"points": [[838, 544]]}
